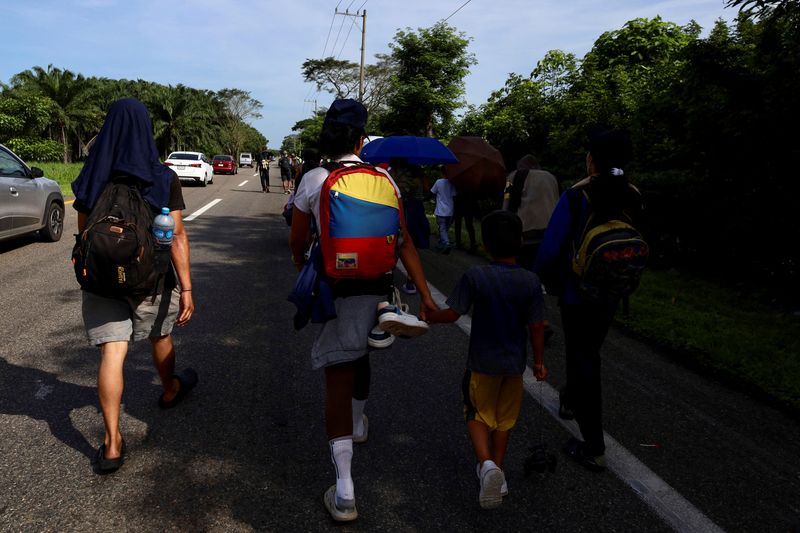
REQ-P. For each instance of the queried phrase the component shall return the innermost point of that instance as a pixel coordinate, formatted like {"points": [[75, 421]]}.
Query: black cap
{"points": [[348, 112]]}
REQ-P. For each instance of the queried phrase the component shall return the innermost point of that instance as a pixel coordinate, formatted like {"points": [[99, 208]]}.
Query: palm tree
{"points": [[69, 92], [180, 119]]}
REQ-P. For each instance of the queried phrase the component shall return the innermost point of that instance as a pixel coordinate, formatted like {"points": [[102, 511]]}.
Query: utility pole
{"points": [[314, 101], [363, 16]]}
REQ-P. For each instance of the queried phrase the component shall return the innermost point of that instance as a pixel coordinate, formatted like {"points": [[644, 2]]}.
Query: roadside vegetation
{"points": [[63, 173], [721, 330]]}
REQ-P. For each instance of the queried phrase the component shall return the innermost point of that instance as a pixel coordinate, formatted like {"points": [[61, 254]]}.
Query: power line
{"points": [[345, 39], [336, 41], [325, 48], [456, 11]]}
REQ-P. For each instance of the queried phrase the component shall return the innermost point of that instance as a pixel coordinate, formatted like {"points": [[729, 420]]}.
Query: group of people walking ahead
{"points": [[505, 298]]}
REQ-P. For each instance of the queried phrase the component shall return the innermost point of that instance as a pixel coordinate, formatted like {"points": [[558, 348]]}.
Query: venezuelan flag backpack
{"points": [[359, 225]]}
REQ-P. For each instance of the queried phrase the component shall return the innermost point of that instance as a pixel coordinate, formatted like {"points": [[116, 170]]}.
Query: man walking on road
{"points": [[341, 347], [285, 164], [263, 172], [125, 153]]}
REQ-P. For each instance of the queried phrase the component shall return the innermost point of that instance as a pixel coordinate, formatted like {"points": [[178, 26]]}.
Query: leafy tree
{"points": [[309, 130], [556, 73], [68, 91], [763, 8], [24, 117], [239, 108], [341, 79], [292, 144], [429, 85]]}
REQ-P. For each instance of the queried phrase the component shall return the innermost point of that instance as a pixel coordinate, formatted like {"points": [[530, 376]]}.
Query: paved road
{"points": [[247, 450]]}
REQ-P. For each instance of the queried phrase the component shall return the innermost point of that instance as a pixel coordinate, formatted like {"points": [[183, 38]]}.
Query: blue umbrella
{"points": [[417, 150]]}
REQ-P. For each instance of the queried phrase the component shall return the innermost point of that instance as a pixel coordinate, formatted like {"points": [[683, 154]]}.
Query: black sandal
{"points": [[108, 466], [187, 380]]}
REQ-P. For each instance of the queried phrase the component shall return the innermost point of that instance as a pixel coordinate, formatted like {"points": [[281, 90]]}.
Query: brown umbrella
{"points": [[480, 166]]}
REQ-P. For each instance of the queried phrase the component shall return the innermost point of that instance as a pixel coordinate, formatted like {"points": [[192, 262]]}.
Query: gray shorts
{"points": [[345, 338], [129, 319]]}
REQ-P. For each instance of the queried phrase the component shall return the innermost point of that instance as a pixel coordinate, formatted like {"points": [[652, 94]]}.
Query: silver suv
{"points": [[29, 202], [246, 159]]}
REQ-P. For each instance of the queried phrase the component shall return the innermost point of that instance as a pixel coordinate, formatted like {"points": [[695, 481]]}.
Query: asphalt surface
{"points": [[247, 449]]}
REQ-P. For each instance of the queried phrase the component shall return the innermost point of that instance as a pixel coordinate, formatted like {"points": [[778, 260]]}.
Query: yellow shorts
{"points": [[492, 400]]}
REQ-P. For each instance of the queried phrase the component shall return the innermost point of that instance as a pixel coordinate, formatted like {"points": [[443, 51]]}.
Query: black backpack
{"points": [[115, 255]]}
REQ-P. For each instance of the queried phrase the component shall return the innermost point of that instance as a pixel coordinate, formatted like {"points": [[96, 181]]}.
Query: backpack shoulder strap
{"points": [[517, 185]]}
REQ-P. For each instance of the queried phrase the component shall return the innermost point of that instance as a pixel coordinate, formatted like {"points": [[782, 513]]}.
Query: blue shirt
{"points": [[505, 300]]}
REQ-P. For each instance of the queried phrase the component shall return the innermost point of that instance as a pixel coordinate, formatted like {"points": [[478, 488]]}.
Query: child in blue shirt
{"points": [[507, 309]]}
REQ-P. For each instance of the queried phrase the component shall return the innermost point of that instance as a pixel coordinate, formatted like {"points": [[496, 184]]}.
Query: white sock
{"points": [[358, 416], [486, 465], [342, 455]]}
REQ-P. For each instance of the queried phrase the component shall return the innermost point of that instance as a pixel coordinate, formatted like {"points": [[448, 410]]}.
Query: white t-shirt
{"points": [[306, 198], [444, 191]]}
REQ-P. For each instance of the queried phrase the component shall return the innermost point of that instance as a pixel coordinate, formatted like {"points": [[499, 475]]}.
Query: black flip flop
{"points": [[187, 379], [108, 466]]}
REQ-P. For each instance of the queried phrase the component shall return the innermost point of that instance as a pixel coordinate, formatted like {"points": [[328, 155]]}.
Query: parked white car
{"points": [[246, 159], [193, 166]]}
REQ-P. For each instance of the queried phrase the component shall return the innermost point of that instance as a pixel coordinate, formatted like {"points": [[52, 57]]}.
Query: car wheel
{"points": [[54, 223], [203, 181]]}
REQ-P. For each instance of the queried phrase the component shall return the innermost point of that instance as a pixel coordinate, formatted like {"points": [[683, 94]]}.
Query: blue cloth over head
{"points": [[125, 145]]}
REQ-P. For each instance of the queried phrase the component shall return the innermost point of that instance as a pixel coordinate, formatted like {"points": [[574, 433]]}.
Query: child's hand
{"points": [[540, 372], [427, 306]]}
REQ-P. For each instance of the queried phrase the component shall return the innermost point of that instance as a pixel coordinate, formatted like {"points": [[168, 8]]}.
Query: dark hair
{"points": [[338, 139], [310, 161], [610, 193], [502, 233], [609, 149]]}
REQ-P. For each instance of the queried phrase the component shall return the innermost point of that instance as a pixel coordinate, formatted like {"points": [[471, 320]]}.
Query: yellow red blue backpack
{"points": [[359, 224]]}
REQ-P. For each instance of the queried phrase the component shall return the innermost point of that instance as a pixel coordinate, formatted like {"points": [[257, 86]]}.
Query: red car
{"points": [[224, 164]]}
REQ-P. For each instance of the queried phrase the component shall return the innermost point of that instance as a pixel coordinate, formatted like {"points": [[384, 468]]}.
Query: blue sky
{"points": [[259, 45]]}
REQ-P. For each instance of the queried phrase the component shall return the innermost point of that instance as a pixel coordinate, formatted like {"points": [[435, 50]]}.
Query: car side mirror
{"points": [[37, 172]]}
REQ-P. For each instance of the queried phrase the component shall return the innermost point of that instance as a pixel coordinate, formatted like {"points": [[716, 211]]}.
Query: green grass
{"points": [[63, 173], [719, 330], [708, 325]]}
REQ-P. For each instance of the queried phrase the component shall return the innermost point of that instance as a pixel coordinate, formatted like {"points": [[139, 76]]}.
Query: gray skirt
{"points": [[345, 338]]}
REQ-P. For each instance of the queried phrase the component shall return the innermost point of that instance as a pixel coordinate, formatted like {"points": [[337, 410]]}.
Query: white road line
{"points": [[242, 183], [202, 210], [667, 503], [256, 174]]}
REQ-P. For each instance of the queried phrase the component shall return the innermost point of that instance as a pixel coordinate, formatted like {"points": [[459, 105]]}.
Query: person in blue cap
{"points": [[341, 347], [125, 151]]}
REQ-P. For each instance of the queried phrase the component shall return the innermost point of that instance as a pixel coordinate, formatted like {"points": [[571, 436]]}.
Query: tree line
{"points": [[712, 120], [53, 114]]}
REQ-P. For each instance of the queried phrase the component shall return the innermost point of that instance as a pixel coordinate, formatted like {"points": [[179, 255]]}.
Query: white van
{"points": [[246, 159]]}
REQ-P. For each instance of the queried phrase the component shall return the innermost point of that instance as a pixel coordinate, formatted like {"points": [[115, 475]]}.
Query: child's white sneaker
{"points": [[492, 480], [396, 319], [503, 488], [378, 338]]}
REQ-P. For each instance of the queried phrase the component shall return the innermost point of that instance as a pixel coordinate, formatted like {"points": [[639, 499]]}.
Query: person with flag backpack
{"points": [[591, 257], [126, 296], [361, 231]]}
